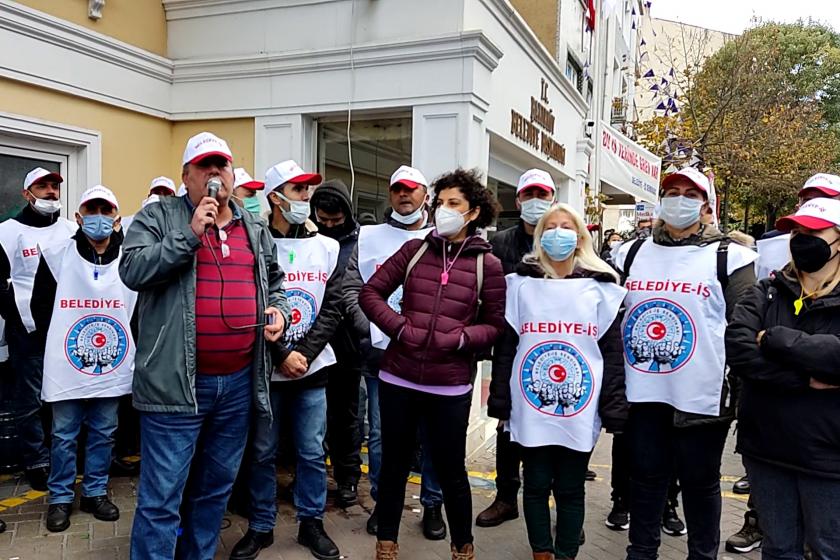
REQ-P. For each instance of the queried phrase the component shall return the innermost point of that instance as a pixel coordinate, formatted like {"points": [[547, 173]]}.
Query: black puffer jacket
{"points": [[511, 244], [781, 419], [612, 406]]}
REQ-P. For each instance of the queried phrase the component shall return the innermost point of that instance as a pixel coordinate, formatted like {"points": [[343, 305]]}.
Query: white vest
{"points": [[674, 324], [23, 245], [376, 245], [555, 382], [90, 351], [773, 254], [308, 263]]}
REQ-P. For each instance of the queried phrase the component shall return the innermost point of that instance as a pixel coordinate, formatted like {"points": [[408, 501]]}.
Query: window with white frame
{"points": [[15, 163]]}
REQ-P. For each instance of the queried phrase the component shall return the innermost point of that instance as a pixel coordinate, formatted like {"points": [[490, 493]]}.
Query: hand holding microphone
{"points": [[208, 208]]}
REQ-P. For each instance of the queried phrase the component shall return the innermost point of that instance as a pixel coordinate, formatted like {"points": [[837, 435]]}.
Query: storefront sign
{"points": [[644, 211], [627, 166], [538, 131]]}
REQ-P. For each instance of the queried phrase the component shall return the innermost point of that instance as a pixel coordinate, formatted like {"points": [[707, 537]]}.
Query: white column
{"points": [[446, 136]]}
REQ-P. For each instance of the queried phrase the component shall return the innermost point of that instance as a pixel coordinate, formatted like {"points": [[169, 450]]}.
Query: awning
{"points": [[626, 166]]}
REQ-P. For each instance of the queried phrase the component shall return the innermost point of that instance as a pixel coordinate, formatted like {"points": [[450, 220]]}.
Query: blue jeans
{"points": [[794, 508], [100, 417], [430, 493], [307, 410], [207, 447], [28, 369]]}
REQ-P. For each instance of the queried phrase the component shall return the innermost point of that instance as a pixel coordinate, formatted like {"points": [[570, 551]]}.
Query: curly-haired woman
{"points": [[452, 310]]}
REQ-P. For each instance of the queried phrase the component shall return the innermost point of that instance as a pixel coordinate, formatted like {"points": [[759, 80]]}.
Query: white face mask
{"points": [[534, 209], [680, 212], [46, 207], [298, 211], [448, 222], [410, 219]]}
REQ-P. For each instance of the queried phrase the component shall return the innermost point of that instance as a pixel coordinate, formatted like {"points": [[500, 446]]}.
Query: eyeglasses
{"points": [[223, 237]]}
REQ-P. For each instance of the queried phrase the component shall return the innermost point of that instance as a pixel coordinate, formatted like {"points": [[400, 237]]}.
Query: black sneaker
{"points": [[434, 528], [124, 468], [671, 522], [618, 518], [741, 486], [101, 507], [37, 478], [590, 475], [251, 544], [373, 523], [312, 535], [58, 517], [748, 538], [348, 495]]}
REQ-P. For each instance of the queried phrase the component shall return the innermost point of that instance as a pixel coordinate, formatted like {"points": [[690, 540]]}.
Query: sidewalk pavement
{"points": [[27, 538]]}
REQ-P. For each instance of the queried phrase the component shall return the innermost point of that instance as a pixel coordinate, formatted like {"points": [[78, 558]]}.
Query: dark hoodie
{"points": [[345, 342], [612, 406]]}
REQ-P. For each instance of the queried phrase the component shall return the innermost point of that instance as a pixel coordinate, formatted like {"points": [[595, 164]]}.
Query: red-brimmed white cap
{"points": [[828, 184], [694, 175], [242, 179], [536, 178], [99, 192], [165, 182], [39, 174], [817, 213], [206, 144], [289, 172], [410, 177]]}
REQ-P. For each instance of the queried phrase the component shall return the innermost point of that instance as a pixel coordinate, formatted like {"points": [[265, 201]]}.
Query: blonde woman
{"points": [[558, 373], [783, 342]]}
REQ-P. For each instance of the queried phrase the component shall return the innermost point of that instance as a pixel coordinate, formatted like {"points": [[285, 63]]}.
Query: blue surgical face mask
{"points": [[532, 210], [97, 226], [252, 204], [298, 211], [559, 244], [680, 212]]}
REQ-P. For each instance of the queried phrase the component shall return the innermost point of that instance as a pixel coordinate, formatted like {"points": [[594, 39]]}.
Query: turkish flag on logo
{"points": [[590, 16]]}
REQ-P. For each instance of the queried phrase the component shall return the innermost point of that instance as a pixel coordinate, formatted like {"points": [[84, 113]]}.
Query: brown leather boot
{"points": [[387, 550], [498, 512], [467, 552], [543, 556]]}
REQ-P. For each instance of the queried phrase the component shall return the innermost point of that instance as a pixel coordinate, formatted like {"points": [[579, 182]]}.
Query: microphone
{"points": [[213, 186]]}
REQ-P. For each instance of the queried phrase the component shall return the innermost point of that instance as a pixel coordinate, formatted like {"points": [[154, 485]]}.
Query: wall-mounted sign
{"points": [[627, 166], [538, 130]]}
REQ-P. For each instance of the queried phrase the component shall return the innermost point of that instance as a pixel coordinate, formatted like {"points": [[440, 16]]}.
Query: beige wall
{"points": [[541, 16], [135, 147], [141, 23], [239, 134]]}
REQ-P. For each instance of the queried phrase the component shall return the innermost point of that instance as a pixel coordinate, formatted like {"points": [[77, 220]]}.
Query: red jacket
{"points": [[426, 338]]}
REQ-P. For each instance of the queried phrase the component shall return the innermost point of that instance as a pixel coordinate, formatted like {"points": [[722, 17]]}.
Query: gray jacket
{"points": [[159, 262]]}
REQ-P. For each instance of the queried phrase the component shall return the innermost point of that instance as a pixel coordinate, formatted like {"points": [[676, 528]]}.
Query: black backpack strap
{"points": [[631, 256], [723, 263]]}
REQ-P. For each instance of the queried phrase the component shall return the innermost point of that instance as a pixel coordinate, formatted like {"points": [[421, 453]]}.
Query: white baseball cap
{"points": [[182, 190], [40, 174], [408, 176], [242, 179], [694, 175], [289, 172], [536, 178], [823, 182], [166, 182], [99, 192], [206, 144], [817, 213]]}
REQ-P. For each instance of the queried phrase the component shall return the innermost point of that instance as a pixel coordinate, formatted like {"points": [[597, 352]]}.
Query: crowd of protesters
{"points": [[233, 306]]}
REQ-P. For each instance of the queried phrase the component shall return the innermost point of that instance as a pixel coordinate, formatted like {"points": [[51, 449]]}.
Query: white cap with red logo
{"points": [[99, 192], [40, 174], [164, 182], [241, 178], [536, 178], [206, 144], [826, 183], [289, 172], [408, 176], [817, 213], [694, 175]]}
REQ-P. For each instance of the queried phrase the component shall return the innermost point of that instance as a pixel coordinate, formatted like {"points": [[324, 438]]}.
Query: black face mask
{"points": [[810, 253], [336, 231]]}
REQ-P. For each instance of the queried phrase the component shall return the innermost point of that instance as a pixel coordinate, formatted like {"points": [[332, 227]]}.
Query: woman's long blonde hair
{"points": [[585, 255], [827, 288]]}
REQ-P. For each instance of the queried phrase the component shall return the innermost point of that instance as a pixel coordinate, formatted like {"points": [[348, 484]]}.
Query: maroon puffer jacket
{"points": [[435, 316]]}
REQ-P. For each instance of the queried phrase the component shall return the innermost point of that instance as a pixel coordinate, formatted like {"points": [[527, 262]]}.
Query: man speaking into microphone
{"points": [[210, 302]]}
